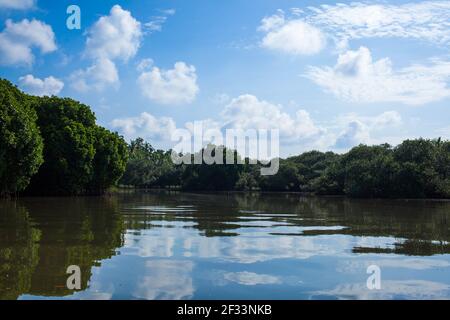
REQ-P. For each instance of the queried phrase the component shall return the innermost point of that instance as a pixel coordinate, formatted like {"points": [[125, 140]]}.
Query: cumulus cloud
{"points": [[355, 133], [357, 77], [100, 74], [17, 4], [291, 36], [358, 129], [116, 36], [146, 126], [18, 39], [41, 87], [170, 87], [248, 112]]}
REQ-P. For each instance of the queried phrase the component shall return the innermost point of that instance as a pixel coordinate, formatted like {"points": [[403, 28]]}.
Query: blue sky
{"points": [[328, 76]]}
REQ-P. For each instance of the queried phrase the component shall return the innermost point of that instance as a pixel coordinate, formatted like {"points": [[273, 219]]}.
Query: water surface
{"points": [[219, 246]]}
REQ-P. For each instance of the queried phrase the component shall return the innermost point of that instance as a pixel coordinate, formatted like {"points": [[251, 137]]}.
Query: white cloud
{"points": [[291, 36], [359, 129], [355, 133], [428, 20], [388, 118], [144, 65], [272, 22], [304, 32], [100, 74], [116, 36], [356, 77], [156, 22], [41, 87], [248, 112], [146, 126], [169, 12], [17, 4], [171, 87], [18, 39]]}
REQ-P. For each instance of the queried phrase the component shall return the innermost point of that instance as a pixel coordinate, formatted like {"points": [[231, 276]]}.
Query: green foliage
{"points": [[68, 129], [148, 167], [52, 146], [369, 171], [299, 173], [424, 168], [79, 156], [110, 160], [20, 140], [213, 177], [288, 178], [249, 179], [331, 181], [311, 165], [414, 169]]}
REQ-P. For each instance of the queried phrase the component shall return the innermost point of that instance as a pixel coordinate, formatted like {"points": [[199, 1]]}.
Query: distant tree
{"points": [[311, 165], [442, 166], [331, 181], [416, 168], [248, 180], [288, 178], [20, 140], [369, 171], [424, 168], [148, 167], [213, 177]]}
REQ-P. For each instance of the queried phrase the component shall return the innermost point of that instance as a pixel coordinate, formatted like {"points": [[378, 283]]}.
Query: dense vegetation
{"points": [[414, 169], [52, 146], [20, 141]]}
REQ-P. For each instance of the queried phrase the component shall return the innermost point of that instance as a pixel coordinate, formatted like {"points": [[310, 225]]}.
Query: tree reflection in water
{"points": [[40, 238]]}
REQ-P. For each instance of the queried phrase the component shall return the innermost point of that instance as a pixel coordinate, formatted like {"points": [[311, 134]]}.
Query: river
{"points": [[163, 245]]}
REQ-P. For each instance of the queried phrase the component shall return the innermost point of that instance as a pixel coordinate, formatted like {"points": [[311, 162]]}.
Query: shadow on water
{"points": [[41, 237]]}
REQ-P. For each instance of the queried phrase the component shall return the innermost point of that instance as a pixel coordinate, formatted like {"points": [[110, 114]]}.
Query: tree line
{"points": [[53, 146], [417, 168]]}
